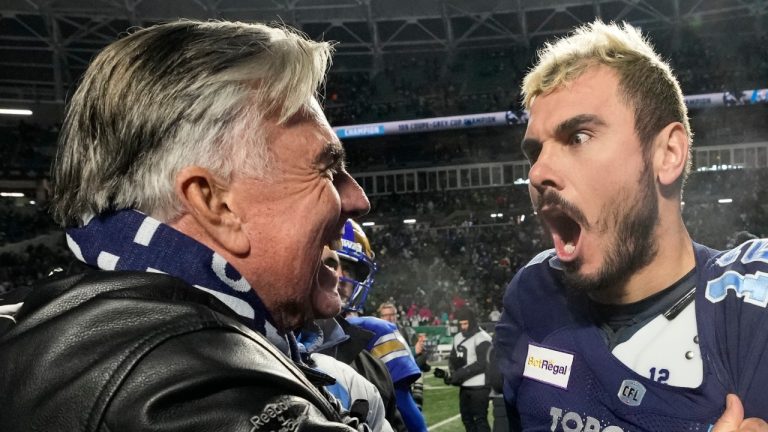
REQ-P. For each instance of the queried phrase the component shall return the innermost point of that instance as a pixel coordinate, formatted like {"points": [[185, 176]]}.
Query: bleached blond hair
{"points": [[646, 81]]}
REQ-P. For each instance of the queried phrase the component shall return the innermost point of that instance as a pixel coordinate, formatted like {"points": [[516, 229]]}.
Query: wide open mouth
{"points": [[565, 232], [326, 273], [329, 264]]}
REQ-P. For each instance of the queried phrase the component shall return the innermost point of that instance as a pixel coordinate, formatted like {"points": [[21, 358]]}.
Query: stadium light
{"points": [[409, 221], [725, 200], [369, 223], [12, 194], [12, 111]]}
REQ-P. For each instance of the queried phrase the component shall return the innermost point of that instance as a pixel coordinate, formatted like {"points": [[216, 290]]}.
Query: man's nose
{"points": [[546, 170], [354, 202]]}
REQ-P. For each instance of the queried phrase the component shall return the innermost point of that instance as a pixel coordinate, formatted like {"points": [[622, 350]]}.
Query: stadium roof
{"points": [[45, 45]]}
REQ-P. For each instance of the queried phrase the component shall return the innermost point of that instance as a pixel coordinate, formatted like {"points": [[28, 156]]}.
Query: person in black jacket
{"points": [[198, 181], [467, 364]]}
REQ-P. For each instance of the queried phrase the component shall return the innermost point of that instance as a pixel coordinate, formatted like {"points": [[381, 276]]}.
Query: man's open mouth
{"points": [[565, 232], [334, 245]]}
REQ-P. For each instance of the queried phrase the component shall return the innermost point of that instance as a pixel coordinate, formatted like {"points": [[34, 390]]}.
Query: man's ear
{"points": [[671, 154], [207, 201]]}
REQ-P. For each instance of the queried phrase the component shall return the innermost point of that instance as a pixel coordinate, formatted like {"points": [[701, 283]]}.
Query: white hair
{"points": [[175, 95]]}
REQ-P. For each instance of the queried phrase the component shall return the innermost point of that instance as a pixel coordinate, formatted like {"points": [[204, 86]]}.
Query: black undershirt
{"points": [[620, 322]]}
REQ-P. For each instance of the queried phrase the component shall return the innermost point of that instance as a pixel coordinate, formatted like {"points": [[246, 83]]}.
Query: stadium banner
{"points": [[505, 118], [500, 118]]}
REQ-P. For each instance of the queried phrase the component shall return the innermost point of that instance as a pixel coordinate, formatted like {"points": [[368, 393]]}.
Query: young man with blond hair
{"points": [[626, 324]]}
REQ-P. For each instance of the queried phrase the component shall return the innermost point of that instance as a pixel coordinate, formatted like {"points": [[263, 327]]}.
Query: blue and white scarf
{"points": [[131, 240]]}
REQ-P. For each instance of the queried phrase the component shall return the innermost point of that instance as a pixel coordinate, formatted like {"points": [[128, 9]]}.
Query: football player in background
{"points": [[416, 342], [348, 343], [627, 324], [358, 271], [335, 354]]}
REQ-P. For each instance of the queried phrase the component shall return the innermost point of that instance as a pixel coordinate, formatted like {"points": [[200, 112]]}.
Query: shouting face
{"points": [[591, 182]]}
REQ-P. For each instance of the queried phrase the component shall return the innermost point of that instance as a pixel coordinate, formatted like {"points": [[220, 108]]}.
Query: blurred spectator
{"points": [[494, 315], [440, 268]]}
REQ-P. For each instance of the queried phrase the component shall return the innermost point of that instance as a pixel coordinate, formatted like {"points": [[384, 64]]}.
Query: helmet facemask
{"points": [[358, 267]]}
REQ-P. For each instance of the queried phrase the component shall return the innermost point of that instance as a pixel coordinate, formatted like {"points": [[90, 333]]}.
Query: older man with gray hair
{"points": [[198, 181]]}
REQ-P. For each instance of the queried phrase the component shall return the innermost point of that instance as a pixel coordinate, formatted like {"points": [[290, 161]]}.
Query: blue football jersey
{"points": [[560, 375], [389, 346]]}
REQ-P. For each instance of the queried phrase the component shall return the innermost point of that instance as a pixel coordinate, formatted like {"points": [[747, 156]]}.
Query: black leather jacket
{"points": [[130, 351]]}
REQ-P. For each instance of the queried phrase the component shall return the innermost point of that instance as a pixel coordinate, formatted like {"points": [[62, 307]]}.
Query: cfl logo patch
{"points": [[631, 392]]}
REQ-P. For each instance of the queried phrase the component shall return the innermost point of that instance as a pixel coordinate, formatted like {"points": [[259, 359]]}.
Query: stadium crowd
{"points": [[432, 84], [456, 251], [439, 268]]}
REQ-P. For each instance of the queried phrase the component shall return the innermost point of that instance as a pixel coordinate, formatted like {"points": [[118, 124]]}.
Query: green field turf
{"points": [[441, 402]]}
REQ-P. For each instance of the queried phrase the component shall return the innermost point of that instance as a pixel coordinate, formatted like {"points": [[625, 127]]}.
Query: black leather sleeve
{"points": [[216, 379], [129, 351]]}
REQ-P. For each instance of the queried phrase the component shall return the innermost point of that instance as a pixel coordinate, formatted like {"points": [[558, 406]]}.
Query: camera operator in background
{"points": [[467, 365]]}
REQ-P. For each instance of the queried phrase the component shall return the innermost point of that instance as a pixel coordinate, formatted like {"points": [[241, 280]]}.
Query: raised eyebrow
{"points": [[574, 123]]}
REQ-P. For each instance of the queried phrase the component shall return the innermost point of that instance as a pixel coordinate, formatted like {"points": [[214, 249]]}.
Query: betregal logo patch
{"points": [[548, 366]]}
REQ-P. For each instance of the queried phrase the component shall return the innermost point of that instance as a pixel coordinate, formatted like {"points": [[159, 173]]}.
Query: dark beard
{"points": [[633, 248]]}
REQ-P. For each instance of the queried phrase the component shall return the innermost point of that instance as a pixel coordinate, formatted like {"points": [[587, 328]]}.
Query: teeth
{"points": [[335, 244], [569, 248]]}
